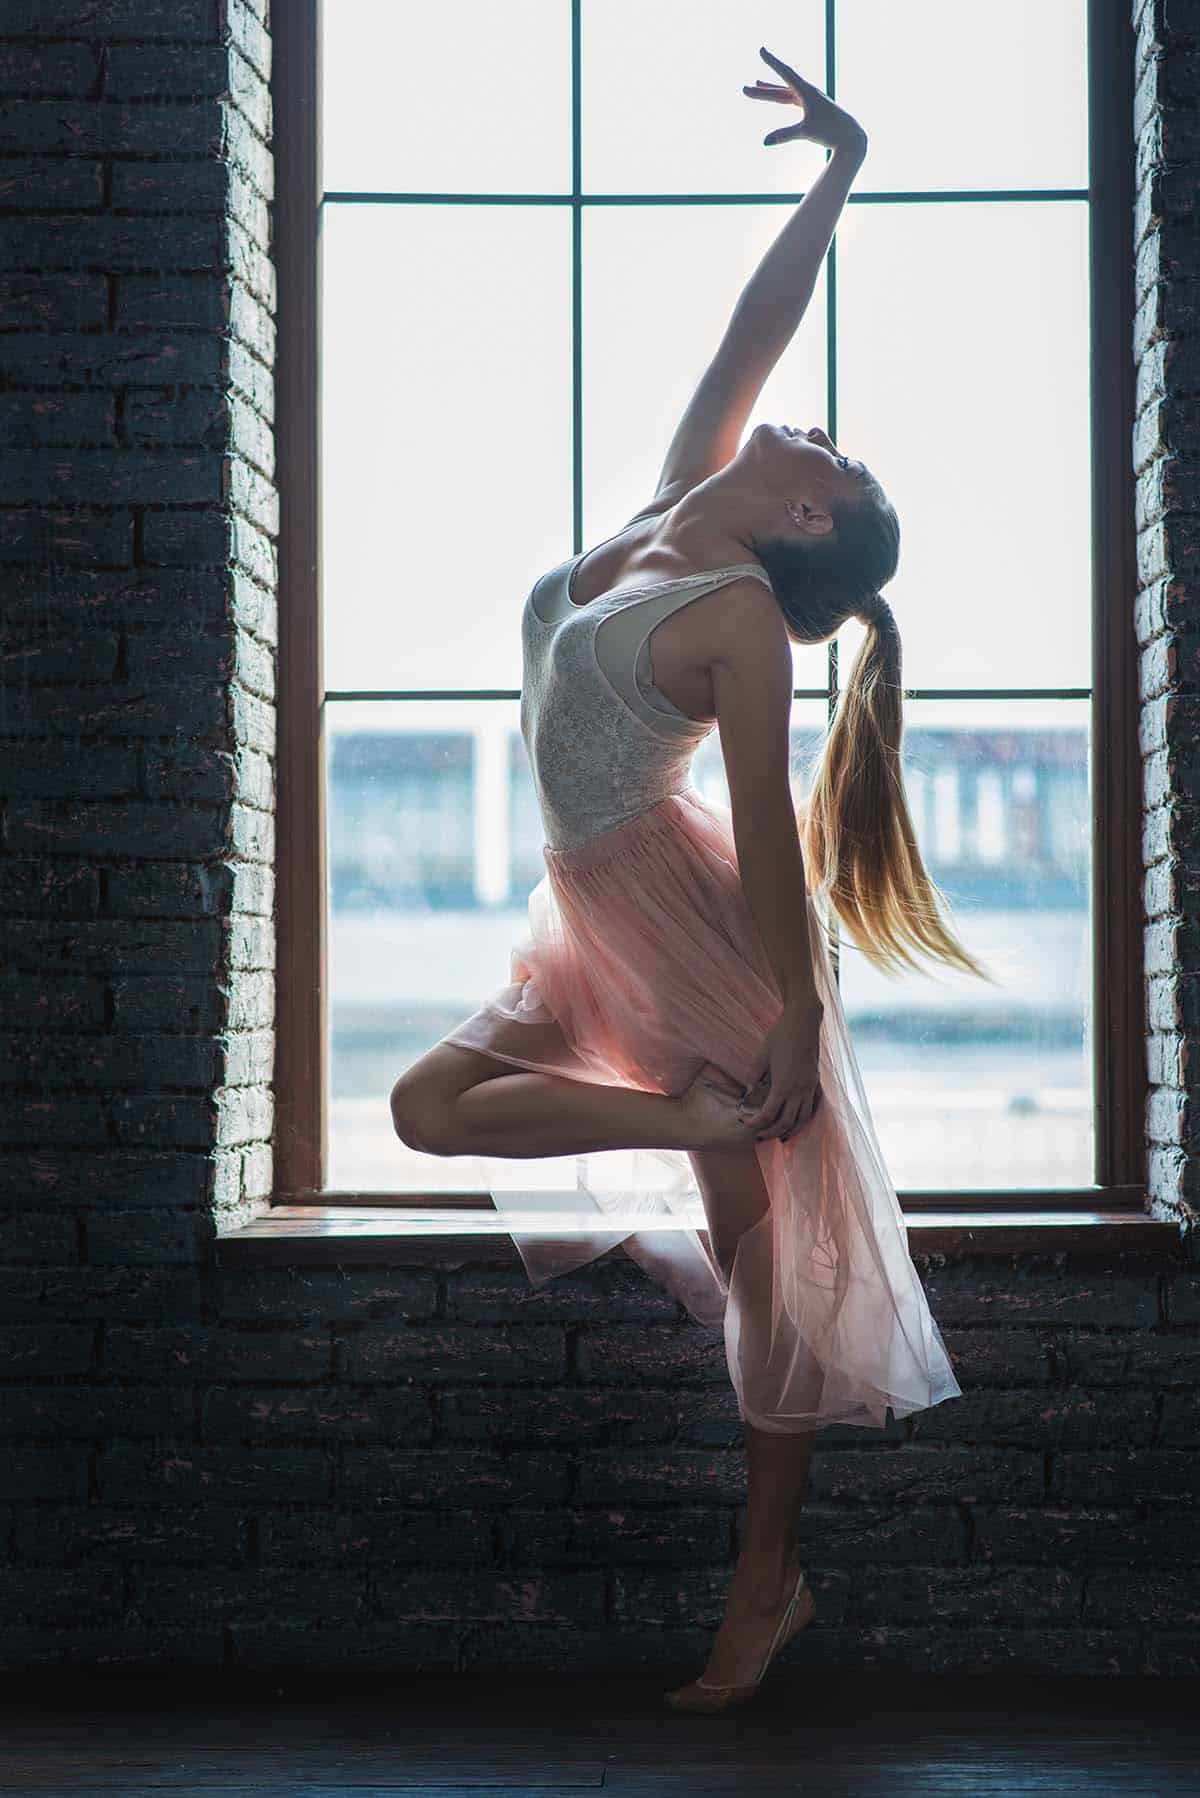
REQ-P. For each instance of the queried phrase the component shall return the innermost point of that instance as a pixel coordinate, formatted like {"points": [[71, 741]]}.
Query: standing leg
{"points": [[777, 1464]]}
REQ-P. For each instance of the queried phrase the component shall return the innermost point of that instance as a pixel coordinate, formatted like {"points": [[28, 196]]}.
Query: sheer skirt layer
{"points": [[642, 965]]}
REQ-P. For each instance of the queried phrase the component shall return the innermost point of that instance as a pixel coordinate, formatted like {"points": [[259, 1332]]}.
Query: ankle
{"points": [[763, 1576], [769, 1556]]}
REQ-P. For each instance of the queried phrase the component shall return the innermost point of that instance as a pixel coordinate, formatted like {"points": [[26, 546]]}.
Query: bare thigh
{"points": [[450, 1070], [735, 1196], [423, 1097]]}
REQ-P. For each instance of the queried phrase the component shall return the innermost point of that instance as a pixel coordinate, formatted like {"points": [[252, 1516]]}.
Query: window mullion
{"points": [[831, 413], [576, 280]]}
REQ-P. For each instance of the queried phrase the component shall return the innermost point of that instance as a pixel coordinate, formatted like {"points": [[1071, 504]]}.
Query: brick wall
{"points": [[428, 1463], [1167, 460], [137, 532], [430, 1466]]}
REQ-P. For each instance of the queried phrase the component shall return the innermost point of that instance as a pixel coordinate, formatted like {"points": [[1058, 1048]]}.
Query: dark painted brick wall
{"points": [[1166, 450], [137, 525], [434, 1466], [431, 1464]]}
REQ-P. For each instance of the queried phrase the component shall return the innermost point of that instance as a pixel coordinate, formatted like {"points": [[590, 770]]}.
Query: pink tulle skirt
{"points": [[641, 966]]}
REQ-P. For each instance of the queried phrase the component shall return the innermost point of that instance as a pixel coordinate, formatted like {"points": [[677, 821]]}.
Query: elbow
{"points": [[769, 816]]}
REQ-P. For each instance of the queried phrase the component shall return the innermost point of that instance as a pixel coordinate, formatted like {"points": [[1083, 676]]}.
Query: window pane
{"points": [[956, 96], [446, 437], [466, 98], [974, 1086], [648, 336], [963, 383], [434, 844], [662, 105]]}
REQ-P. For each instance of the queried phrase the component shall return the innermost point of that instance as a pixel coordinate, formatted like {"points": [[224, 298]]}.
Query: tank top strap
{"points": [[665, 597], [682, 583], [622, 628], [755, 569]]}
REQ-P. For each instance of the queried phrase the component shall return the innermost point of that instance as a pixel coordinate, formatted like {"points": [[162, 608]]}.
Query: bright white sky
{"points": [[962, 328]]}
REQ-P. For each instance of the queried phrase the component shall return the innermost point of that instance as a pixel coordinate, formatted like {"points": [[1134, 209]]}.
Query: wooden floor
{"points": [[435, 1737]]}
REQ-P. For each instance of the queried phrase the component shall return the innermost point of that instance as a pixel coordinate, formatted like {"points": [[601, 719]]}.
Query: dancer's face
{"points": [[804, 469]]}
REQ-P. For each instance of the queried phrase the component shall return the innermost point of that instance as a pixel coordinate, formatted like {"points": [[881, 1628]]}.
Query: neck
{"points": [[710, 526]]}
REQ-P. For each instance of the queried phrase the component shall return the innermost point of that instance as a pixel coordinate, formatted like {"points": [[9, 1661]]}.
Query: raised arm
{"points": [[776, 297]]}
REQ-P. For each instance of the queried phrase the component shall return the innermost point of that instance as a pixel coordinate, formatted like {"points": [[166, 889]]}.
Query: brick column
{"points": [[1166, 452], [137, 519]]}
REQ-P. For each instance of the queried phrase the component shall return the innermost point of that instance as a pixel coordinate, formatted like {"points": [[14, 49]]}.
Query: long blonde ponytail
{"points": [[856, 831]]}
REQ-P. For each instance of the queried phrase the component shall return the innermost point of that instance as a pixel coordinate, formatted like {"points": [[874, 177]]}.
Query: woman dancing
{"points": [[675, 996]]}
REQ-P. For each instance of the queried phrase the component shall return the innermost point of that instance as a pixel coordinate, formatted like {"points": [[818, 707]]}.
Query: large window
{"points": [[534, 222]]}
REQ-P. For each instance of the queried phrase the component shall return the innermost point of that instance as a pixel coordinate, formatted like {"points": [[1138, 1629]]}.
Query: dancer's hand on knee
{"points": [[790, 1073], [710, 1108]]}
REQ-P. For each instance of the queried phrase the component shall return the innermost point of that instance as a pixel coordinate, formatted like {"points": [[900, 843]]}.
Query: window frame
{"points": [[302, 1001]]}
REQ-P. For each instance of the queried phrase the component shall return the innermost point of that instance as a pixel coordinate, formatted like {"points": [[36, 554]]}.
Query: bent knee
{"points": [[423, 1116]]}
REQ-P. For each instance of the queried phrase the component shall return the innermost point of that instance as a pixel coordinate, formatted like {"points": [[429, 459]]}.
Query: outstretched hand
{"points": [[822, 122]]}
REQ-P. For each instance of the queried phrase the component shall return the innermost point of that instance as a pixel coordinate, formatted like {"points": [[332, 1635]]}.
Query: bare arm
{"points": [[777, 294], [751, 668], [752, 691]]}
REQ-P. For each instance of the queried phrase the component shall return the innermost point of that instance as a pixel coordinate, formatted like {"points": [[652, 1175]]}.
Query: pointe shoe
{"points": [[701, 1697]]}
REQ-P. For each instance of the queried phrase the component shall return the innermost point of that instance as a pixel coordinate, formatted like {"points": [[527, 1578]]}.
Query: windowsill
{"points": [[340, 1235]]}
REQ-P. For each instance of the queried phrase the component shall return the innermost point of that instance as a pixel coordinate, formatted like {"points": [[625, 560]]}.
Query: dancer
{"points": [[675, 998]]}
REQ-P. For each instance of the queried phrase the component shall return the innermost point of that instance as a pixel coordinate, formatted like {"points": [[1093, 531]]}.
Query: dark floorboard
{"points": [[547, 1736]]}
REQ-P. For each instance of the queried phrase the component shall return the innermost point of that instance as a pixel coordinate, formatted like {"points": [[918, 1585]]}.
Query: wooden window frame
{"points": [[301, 1131]]}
